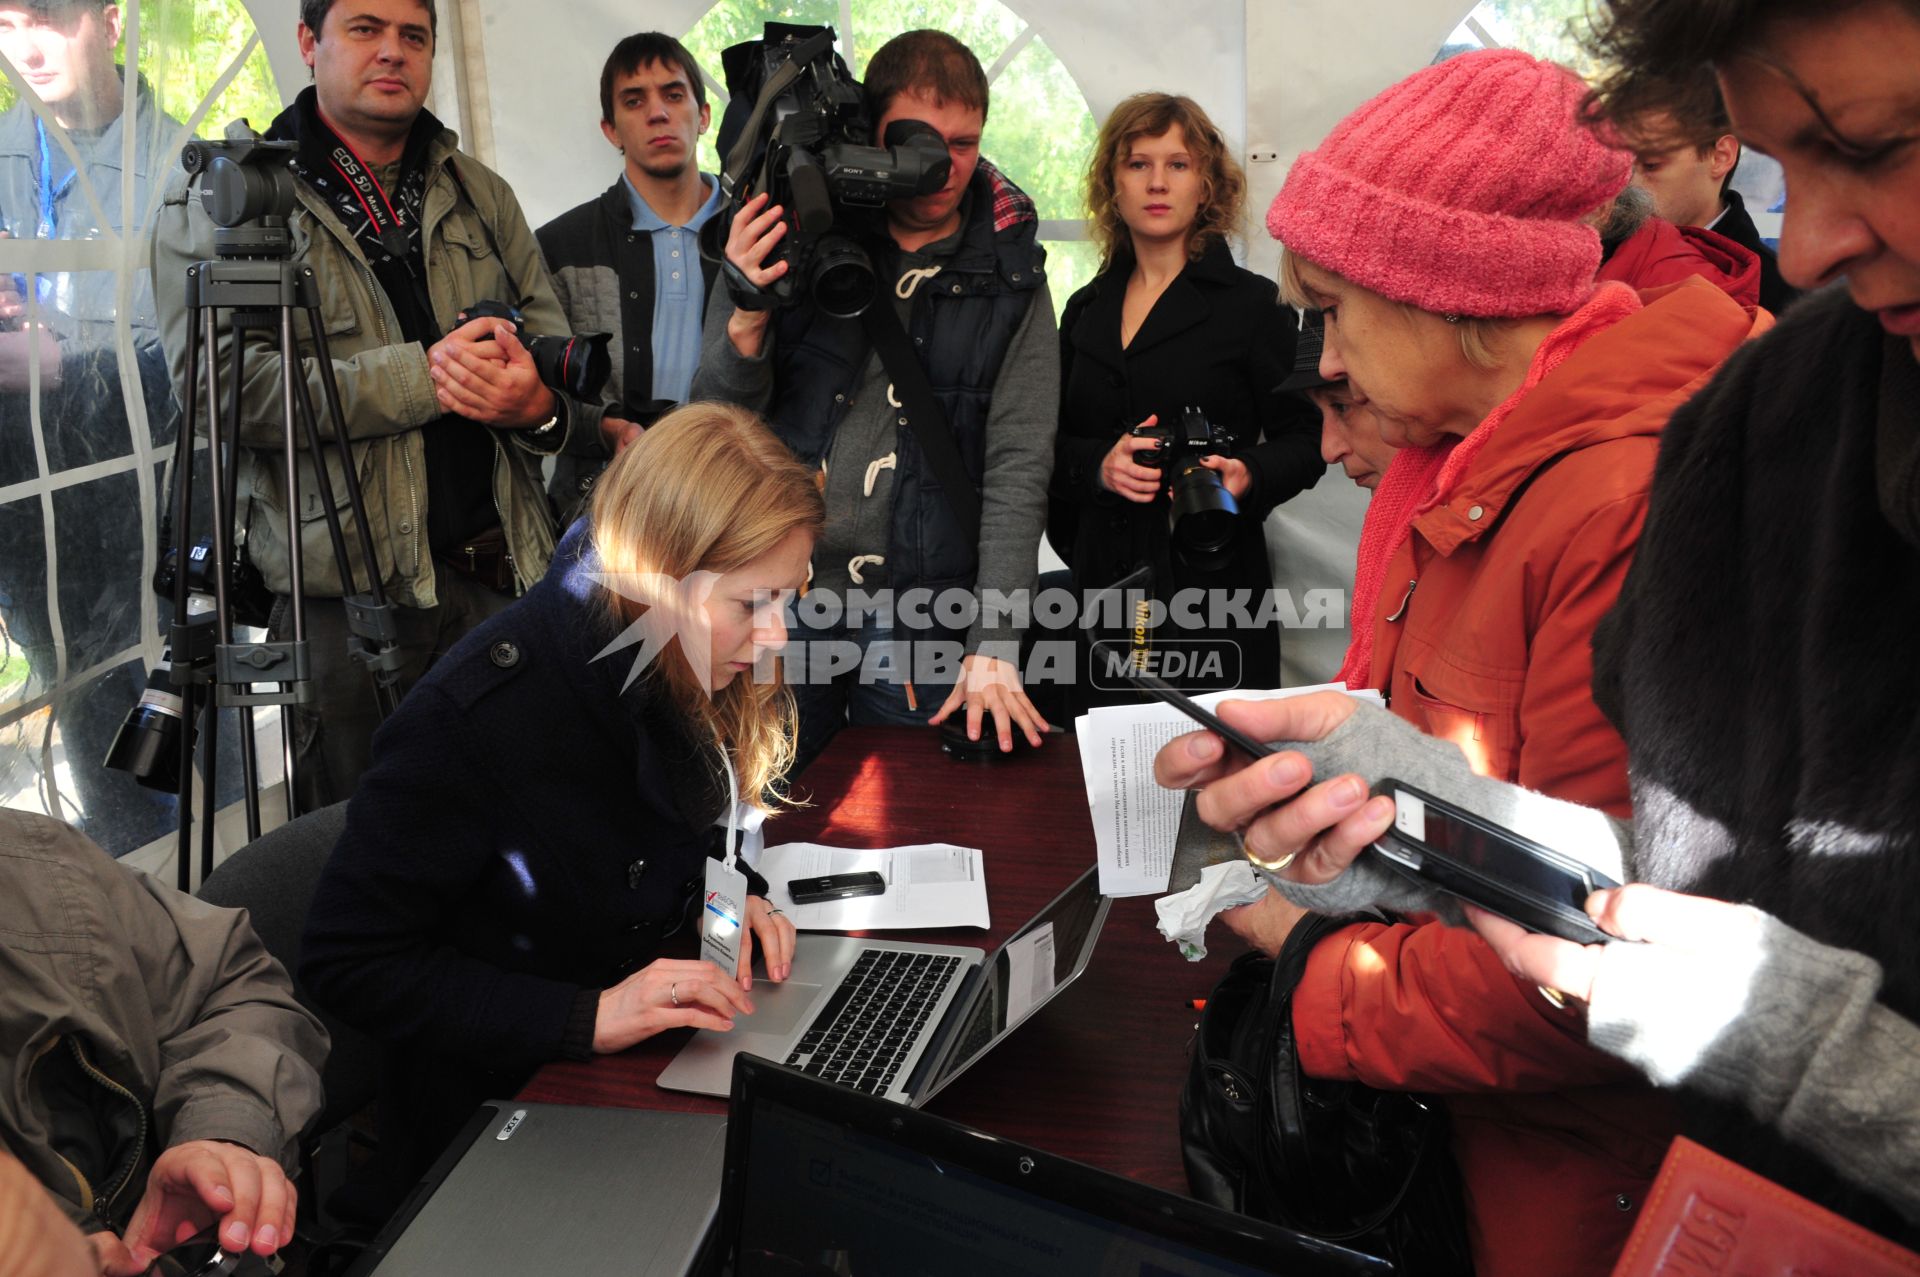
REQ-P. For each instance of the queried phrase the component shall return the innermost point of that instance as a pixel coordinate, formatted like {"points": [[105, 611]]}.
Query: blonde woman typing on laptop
{"points": [[541, 809]]}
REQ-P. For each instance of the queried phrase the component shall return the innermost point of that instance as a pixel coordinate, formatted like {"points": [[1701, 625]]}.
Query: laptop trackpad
{"points": [[777, 1008]]}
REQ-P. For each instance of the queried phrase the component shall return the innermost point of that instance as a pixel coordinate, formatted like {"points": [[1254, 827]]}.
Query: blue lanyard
{"points": [[49, 201], [49, 196]]}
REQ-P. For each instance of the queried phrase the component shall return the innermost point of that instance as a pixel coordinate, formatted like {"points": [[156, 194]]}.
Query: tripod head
{"points": [[247, 188]]}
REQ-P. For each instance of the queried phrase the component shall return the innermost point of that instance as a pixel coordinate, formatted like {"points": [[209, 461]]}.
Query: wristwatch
{"points": [[550, 431]]}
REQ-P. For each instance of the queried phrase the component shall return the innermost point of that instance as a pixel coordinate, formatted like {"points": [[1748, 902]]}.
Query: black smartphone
{"points": [[1163, 690], [813, 891], [1464, 855]]}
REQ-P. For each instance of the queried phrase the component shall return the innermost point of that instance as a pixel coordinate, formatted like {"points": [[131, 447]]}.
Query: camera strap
{"points": [[923, 411], [734, 171]]}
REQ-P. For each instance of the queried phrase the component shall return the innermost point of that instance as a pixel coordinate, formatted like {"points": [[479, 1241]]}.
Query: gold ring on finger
{"points": [[1271, 866]]}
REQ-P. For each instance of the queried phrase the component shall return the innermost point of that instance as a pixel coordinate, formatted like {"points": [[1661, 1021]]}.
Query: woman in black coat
{"points": [[541, 808], [1170, 323]]}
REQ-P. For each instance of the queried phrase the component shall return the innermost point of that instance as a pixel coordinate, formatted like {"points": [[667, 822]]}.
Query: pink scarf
{"points": [[1421, 478]]}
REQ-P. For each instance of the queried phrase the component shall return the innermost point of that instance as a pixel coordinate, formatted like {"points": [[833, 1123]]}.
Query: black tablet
{"points": [[1441, 845]]}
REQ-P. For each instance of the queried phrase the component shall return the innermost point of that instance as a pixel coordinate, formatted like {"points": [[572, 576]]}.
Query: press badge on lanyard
{"points": [[723, 910]]}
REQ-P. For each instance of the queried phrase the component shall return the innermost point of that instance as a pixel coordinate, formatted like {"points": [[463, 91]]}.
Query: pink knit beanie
{"points": [[1459, 190]]}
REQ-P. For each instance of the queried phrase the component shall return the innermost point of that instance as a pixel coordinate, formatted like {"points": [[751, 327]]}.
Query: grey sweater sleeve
{"points": [[1786, 1026], [724, 373], [1021, 422], [1376, 745]]}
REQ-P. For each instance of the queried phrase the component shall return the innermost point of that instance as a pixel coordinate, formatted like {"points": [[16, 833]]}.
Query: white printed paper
{"points": [[1029, 972], [1135, 821], [929, 885]]}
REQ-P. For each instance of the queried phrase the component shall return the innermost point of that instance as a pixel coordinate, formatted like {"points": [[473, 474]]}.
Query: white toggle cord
{"points": [[910, 280], [889, 462], [859, 561]]}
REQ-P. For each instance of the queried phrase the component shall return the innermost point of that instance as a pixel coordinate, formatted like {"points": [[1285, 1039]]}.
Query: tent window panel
{"points": [[82, 450]]}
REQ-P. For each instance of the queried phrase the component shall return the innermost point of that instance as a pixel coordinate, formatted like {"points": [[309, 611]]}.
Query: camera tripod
{"points": [[255, 280]]}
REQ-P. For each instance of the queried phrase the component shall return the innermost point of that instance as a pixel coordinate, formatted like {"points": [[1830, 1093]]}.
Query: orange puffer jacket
{"points": [[1556, 1142]]}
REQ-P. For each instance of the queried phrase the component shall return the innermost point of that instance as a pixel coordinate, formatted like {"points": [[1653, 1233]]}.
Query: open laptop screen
{"points": [[825, 1181], [1050, 951]]}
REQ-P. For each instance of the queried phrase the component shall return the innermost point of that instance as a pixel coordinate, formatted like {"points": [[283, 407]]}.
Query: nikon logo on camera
{"points": [[1190, 665]]}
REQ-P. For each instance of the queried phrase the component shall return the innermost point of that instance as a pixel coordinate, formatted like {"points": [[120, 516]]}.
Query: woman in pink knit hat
{"points": [[1440, 230]]}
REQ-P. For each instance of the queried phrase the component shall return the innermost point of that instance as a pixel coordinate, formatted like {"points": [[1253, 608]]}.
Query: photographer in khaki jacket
{"points": [[155, 1070], [449, 421]]}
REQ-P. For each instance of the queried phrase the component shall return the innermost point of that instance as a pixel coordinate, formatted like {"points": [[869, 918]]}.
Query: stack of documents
{"points": [[1135, 822]]}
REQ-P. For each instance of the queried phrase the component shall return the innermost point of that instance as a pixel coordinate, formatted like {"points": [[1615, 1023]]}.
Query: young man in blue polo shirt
{"points": [[628, 261]]}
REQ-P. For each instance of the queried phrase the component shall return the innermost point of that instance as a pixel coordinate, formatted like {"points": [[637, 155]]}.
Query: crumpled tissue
{"points": [[1185, 915]]}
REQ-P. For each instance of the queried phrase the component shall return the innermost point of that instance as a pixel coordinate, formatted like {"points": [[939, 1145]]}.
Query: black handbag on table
{"points": [[1338, 1160]]}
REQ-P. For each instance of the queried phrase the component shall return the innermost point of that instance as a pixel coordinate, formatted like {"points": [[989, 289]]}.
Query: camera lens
{"points": [[843, 280], [1203, 516], [147, 746]]}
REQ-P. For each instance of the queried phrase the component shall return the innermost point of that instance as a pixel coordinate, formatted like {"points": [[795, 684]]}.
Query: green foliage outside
{"points": [[1039, 130], [1545, 28], [185, 47]]}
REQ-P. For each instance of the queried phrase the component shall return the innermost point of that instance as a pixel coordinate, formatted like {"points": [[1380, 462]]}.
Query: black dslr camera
{"points": [[797, 128], [1203, 513], [578, 365]]}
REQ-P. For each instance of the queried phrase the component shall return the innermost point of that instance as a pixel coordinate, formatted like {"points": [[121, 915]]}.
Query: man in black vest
{"points": [[967, 281], [628, 261], [1690, 176]]}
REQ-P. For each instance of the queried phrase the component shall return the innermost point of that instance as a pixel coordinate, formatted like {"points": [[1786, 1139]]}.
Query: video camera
{"points": [[1203, 514], [807, 142], [247, 188]]}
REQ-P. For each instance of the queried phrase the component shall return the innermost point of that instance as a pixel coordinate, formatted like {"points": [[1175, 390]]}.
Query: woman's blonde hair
{"points": [[1223, 186], [708, 488], [1477, 334]]}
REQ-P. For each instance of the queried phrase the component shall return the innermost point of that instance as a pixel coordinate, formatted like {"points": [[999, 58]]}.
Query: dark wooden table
{"points": [[1096, 1074]]}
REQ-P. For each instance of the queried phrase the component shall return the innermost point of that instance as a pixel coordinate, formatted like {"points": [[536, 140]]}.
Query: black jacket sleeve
{"points": [[416, 842]]}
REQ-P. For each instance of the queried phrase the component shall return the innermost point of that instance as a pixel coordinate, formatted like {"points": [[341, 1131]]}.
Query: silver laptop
{"points": [[555, 1188], [900, 1020]]}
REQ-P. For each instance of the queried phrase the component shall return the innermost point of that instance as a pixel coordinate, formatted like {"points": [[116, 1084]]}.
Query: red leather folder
{"points": [[1709, 1217]]}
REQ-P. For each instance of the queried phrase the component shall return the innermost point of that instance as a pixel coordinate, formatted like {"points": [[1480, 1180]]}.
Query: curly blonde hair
{"points": [[708, 488], [1224, 186]]}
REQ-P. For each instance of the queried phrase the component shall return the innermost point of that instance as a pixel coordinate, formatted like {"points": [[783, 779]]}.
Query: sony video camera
{"points": [[797, 128], [1203, 513]]}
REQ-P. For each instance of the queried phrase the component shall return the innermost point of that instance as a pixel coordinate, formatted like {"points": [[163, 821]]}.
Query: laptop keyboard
{"points": [[868, 1028]]}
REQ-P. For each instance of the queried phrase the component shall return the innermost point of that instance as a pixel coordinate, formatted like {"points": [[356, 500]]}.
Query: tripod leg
{"points": [[183, 844], [337, 420], [289, 765], [249, 767], [296, 564], [177, 648], [250, 771], [210, 797], [288, 351], [385, 687]]}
